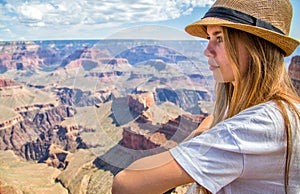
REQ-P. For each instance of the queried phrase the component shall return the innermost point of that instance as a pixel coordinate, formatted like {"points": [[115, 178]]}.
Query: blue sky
{"points": [[90, 19]]}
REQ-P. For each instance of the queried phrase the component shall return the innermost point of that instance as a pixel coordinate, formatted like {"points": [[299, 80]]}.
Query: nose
{"points": [[209, 51]]}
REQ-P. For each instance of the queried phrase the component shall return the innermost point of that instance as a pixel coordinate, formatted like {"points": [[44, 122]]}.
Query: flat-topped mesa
{"points": [[19, 98], [147, 136], [11, 121], [294, 72], [42, 107], [6, 84]]}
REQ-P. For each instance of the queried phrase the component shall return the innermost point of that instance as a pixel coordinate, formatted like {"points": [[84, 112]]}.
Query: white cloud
{"points": [[30, 12], [56, 12], [56, 18], [6, 30]]}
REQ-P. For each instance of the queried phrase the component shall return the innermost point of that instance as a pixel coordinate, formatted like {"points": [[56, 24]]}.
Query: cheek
{"points": [[243, 60], [224, 73], [226, 69]]}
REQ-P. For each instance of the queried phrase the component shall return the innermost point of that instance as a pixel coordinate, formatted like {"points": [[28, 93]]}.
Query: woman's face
{"points": [[218, 60]]}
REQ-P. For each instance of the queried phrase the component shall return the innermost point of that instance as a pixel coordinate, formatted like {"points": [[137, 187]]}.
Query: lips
{"points": [[212, 64], [212, 68]]}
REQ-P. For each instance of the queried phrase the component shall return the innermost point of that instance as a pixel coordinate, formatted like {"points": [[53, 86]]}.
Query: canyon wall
{"points": [[294, 72]]}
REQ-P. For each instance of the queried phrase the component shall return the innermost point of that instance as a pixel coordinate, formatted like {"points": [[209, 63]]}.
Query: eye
{"points": [[219, 39]]}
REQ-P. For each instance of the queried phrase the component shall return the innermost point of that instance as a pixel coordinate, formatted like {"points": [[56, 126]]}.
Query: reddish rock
{"points": [[133, 140], [139, 102], [145, 135], [93, 53], [31, 137], [20, 56], [294, 72], [294, 68], [6, 83]]}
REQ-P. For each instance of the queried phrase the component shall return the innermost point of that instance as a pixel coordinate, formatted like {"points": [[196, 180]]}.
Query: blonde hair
{"points": [[265, 80]]}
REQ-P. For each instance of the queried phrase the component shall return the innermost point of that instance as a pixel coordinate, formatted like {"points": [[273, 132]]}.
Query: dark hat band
{"points": [[239, 17]]}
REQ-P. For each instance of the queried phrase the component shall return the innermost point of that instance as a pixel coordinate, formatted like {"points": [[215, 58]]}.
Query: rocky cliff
{"points": [[294, 72], [79, 98], [33, 135], [147, 128], [19, 56], [159, 125], [91, 123], [147, 136], [6, 83], [28, 120]]}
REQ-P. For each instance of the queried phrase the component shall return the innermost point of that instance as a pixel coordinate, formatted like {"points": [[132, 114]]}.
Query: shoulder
{"points": [[258, 129], [247, 127], [264, 114], [261, 115]]}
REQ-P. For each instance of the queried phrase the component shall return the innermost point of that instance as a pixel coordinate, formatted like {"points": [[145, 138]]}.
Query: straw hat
{"points": [[268, 19]]}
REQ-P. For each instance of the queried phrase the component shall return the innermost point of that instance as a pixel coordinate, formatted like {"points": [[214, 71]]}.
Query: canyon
{"points": [[76, 112]]}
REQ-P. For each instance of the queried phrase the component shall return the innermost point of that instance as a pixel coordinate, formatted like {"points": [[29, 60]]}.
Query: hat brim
{"points": [[287, 44]]}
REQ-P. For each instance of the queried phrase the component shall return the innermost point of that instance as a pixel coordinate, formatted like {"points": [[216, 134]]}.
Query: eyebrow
{"points": [[216, 33]]}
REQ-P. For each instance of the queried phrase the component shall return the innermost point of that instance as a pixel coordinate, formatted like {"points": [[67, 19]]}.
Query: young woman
{"points": [[253, 141]]}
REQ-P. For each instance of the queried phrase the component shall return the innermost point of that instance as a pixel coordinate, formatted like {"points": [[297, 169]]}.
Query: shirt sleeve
{"points": [[213, 159]]}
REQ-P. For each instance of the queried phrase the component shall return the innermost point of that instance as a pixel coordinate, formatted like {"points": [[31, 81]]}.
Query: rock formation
{"points": [[294, 72], [6, 83], [57, 157], [136, 105], [148, 52], [32, 136], [146, 136], [28, 120], [19, 56], [79, 98]]}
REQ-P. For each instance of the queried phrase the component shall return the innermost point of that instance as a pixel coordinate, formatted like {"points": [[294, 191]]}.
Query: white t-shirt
{"points": [[243, 154]]}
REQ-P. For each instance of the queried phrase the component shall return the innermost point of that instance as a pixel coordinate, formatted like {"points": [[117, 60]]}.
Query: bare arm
{"points": [[153, 174], [205, 125]]}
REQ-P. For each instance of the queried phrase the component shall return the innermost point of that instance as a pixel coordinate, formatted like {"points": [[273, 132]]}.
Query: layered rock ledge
{"points": [[294, 72]]}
